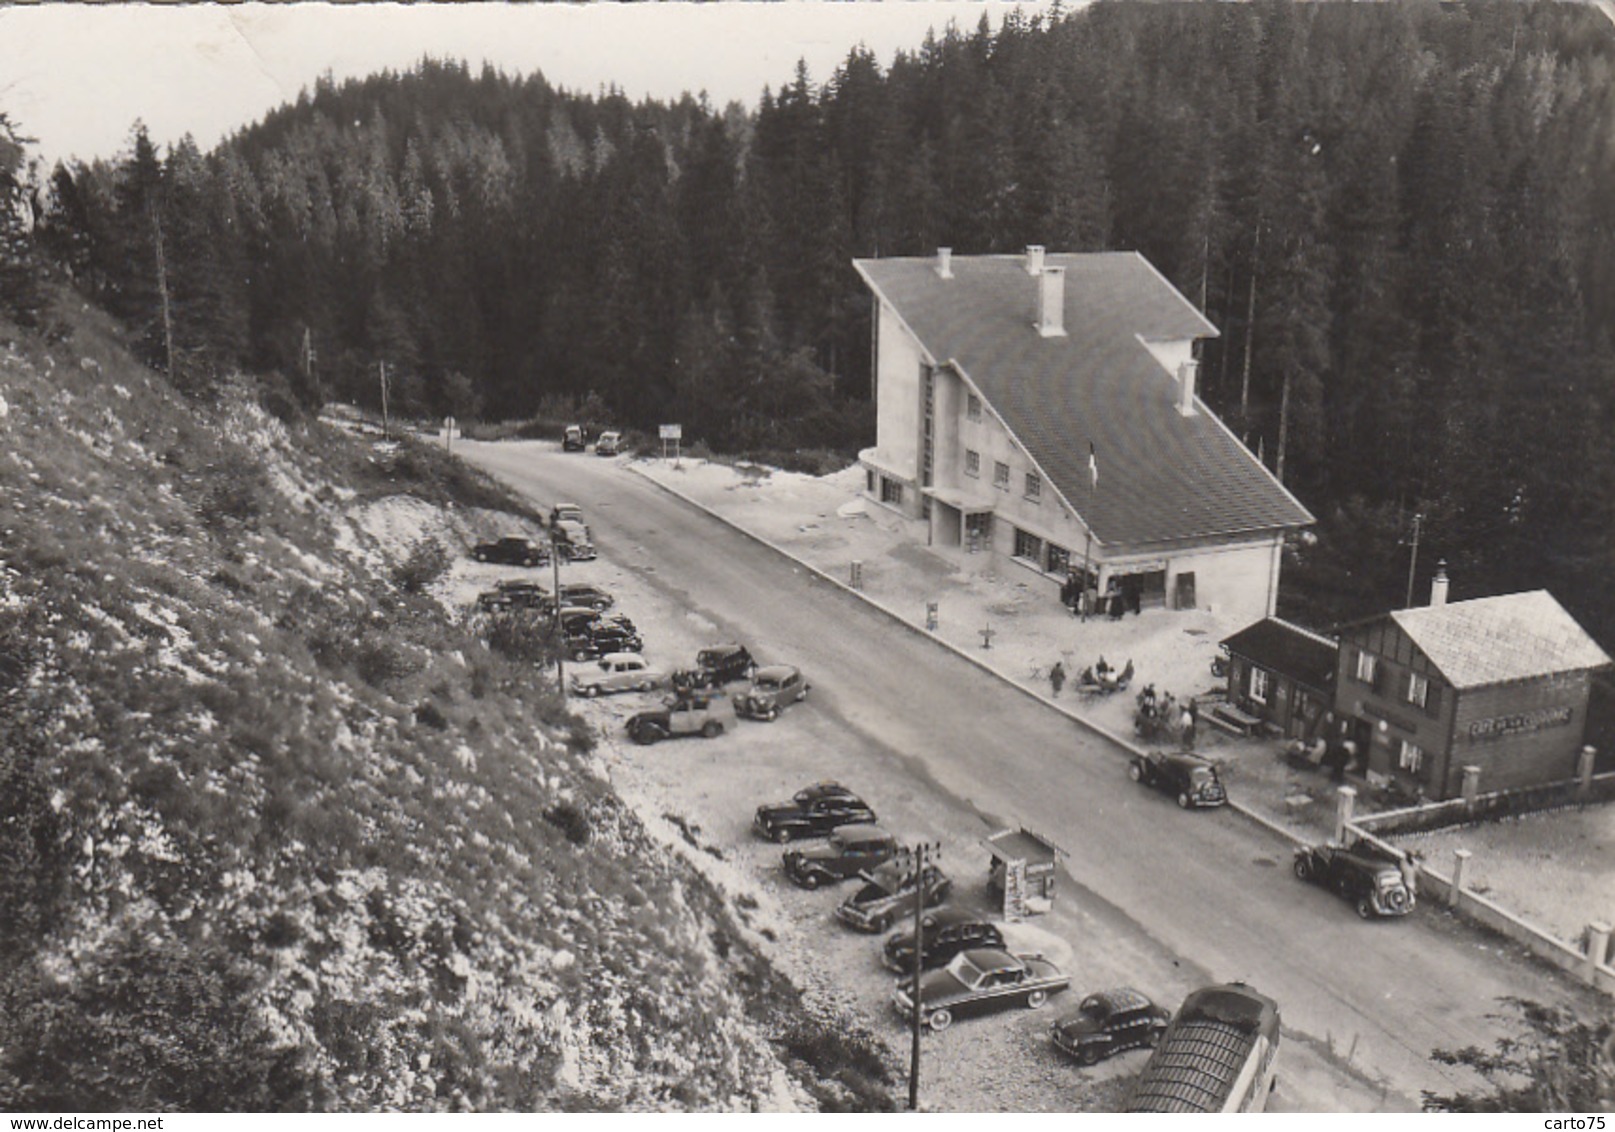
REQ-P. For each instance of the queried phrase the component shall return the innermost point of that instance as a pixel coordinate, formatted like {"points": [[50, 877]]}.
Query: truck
{"points": [[1218, 1054]]}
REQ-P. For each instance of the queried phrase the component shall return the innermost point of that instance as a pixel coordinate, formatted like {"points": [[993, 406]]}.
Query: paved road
{"points": [[1208, 887]]}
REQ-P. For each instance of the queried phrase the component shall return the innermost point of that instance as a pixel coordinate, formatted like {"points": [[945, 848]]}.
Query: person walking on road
{"points": [[1057, 677], [1186, 723]]}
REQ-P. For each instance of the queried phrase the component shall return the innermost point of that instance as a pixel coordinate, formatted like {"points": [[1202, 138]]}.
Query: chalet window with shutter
{"points": [[1367, 667], [1418, 689], [1059, 559], [973, 407], [1258, 688], [1001, 476], [1411, 758], [972, 463]]}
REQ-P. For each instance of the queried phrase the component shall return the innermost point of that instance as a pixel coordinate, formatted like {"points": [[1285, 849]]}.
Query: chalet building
{"points": [[1282, 677], [1496, 683], [1042, 408]]}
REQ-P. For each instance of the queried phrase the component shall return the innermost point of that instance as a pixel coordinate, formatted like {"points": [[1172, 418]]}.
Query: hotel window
{"points": [[1001, 476], [1367, 667], [1411, 758], [1034, 486], [972, 463], [1259, 685], [1028, 546], [890, 491], [973, 407], [1059, 559], [1418, 689], [869, 480]]}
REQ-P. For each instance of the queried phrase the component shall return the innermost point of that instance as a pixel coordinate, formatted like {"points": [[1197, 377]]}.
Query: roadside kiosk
{"points": [[1021, 873]]}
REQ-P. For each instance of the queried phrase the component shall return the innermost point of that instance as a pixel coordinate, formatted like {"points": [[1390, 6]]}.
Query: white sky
{"points": [[76, 76]]}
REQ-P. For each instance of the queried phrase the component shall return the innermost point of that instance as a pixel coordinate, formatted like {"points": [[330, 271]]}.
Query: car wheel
{"points": [[811, 880], [781, 836], [1086, 1055], [771, 715], [1135, 772], [648, 735], [645, 686], [939, 1020], [1036, 999], [711, 729], [1365, 909], [1183, 800], [592, 691], [1303, 868]]}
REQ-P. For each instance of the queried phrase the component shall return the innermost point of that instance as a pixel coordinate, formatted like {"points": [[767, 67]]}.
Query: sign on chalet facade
{"points": [[1497, 683], [1043, 408]]}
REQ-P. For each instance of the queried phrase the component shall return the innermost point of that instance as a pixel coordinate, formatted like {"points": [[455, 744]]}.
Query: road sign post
{"points": [[672, 432]]}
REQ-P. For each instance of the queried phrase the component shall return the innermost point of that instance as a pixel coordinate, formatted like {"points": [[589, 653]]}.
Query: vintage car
{"points": [[512, 594], [850, 850], [584, 594], [772, 688], [890, 892], [1109, 1022], [1188, 777], [813, 812], [716, 665], [616, 672], [1368, 877], [572, 541], [566, 513], [512, 551], [944, 932], [597, 636], [680, 716], [977, 982], [573, 440], [608, 444]]}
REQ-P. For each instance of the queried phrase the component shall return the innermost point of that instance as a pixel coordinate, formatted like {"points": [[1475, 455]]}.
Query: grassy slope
{"points": [[243, 864]]}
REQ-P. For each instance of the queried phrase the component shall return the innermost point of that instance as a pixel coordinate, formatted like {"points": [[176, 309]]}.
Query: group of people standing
{"points": [[1119, 598]]}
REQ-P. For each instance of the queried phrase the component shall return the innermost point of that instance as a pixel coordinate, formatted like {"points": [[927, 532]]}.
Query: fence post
{"points": [[1460, 857], [1471, 786], [1345, 806], [1584, 771], [1597, 948]]}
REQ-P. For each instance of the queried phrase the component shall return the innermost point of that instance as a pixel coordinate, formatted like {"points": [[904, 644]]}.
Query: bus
{"points": [[1218, 1055]]}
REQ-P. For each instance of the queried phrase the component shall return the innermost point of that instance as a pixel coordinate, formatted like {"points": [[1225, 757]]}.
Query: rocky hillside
{"points": [[275, 830]]}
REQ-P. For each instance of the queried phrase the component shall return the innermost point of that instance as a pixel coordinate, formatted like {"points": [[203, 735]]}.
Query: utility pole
{"points": [[162, 286], [1413, 559], [918, 854], [560, 640], [1250, 329], [385, 429]]}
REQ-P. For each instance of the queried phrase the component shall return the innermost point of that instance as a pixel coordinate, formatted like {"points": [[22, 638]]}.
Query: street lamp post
{"points": [[917, 1026]]}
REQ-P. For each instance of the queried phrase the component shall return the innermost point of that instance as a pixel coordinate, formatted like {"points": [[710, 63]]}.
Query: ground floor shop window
{"points": [[891, 491], [1259, 678], [869, 481], [1028, 546], [1059, 559]]}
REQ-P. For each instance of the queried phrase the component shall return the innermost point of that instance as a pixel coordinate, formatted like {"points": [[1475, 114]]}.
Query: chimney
{"points": [[1438, 585], [944, 262], [1034, 259], [1051, 302], [1188, 373]]}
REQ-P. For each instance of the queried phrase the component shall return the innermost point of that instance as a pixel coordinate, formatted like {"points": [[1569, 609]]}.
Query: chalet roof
{"points": [[1488, 640], [1298, 653], [1162, 476]]}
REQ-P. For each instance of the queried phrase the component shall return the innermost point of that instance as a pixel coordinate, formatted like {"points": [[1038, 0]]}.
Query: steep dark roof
{"points": [[1281, 647], [1162, 476]]}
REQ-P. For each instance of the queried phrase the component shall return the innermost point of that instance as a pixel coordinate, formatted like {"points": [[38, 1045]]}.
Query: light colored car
{"points": [[772, 688], [608, 444], [616, 672]]}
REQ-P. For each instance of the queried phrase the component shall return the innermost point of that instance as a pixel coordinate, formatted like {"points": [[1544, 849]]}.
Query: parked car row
{"points": [[575, 439]]}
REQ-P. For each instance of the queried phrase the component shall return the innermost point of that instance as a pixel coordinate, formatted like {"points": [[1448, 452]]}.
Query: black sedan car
{"points": [[1109, 1022], [1188, 777], [512, 552], [717, 665], [813, 812], [584, 594], [944, 932], [850, 850], [979, 981]]}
